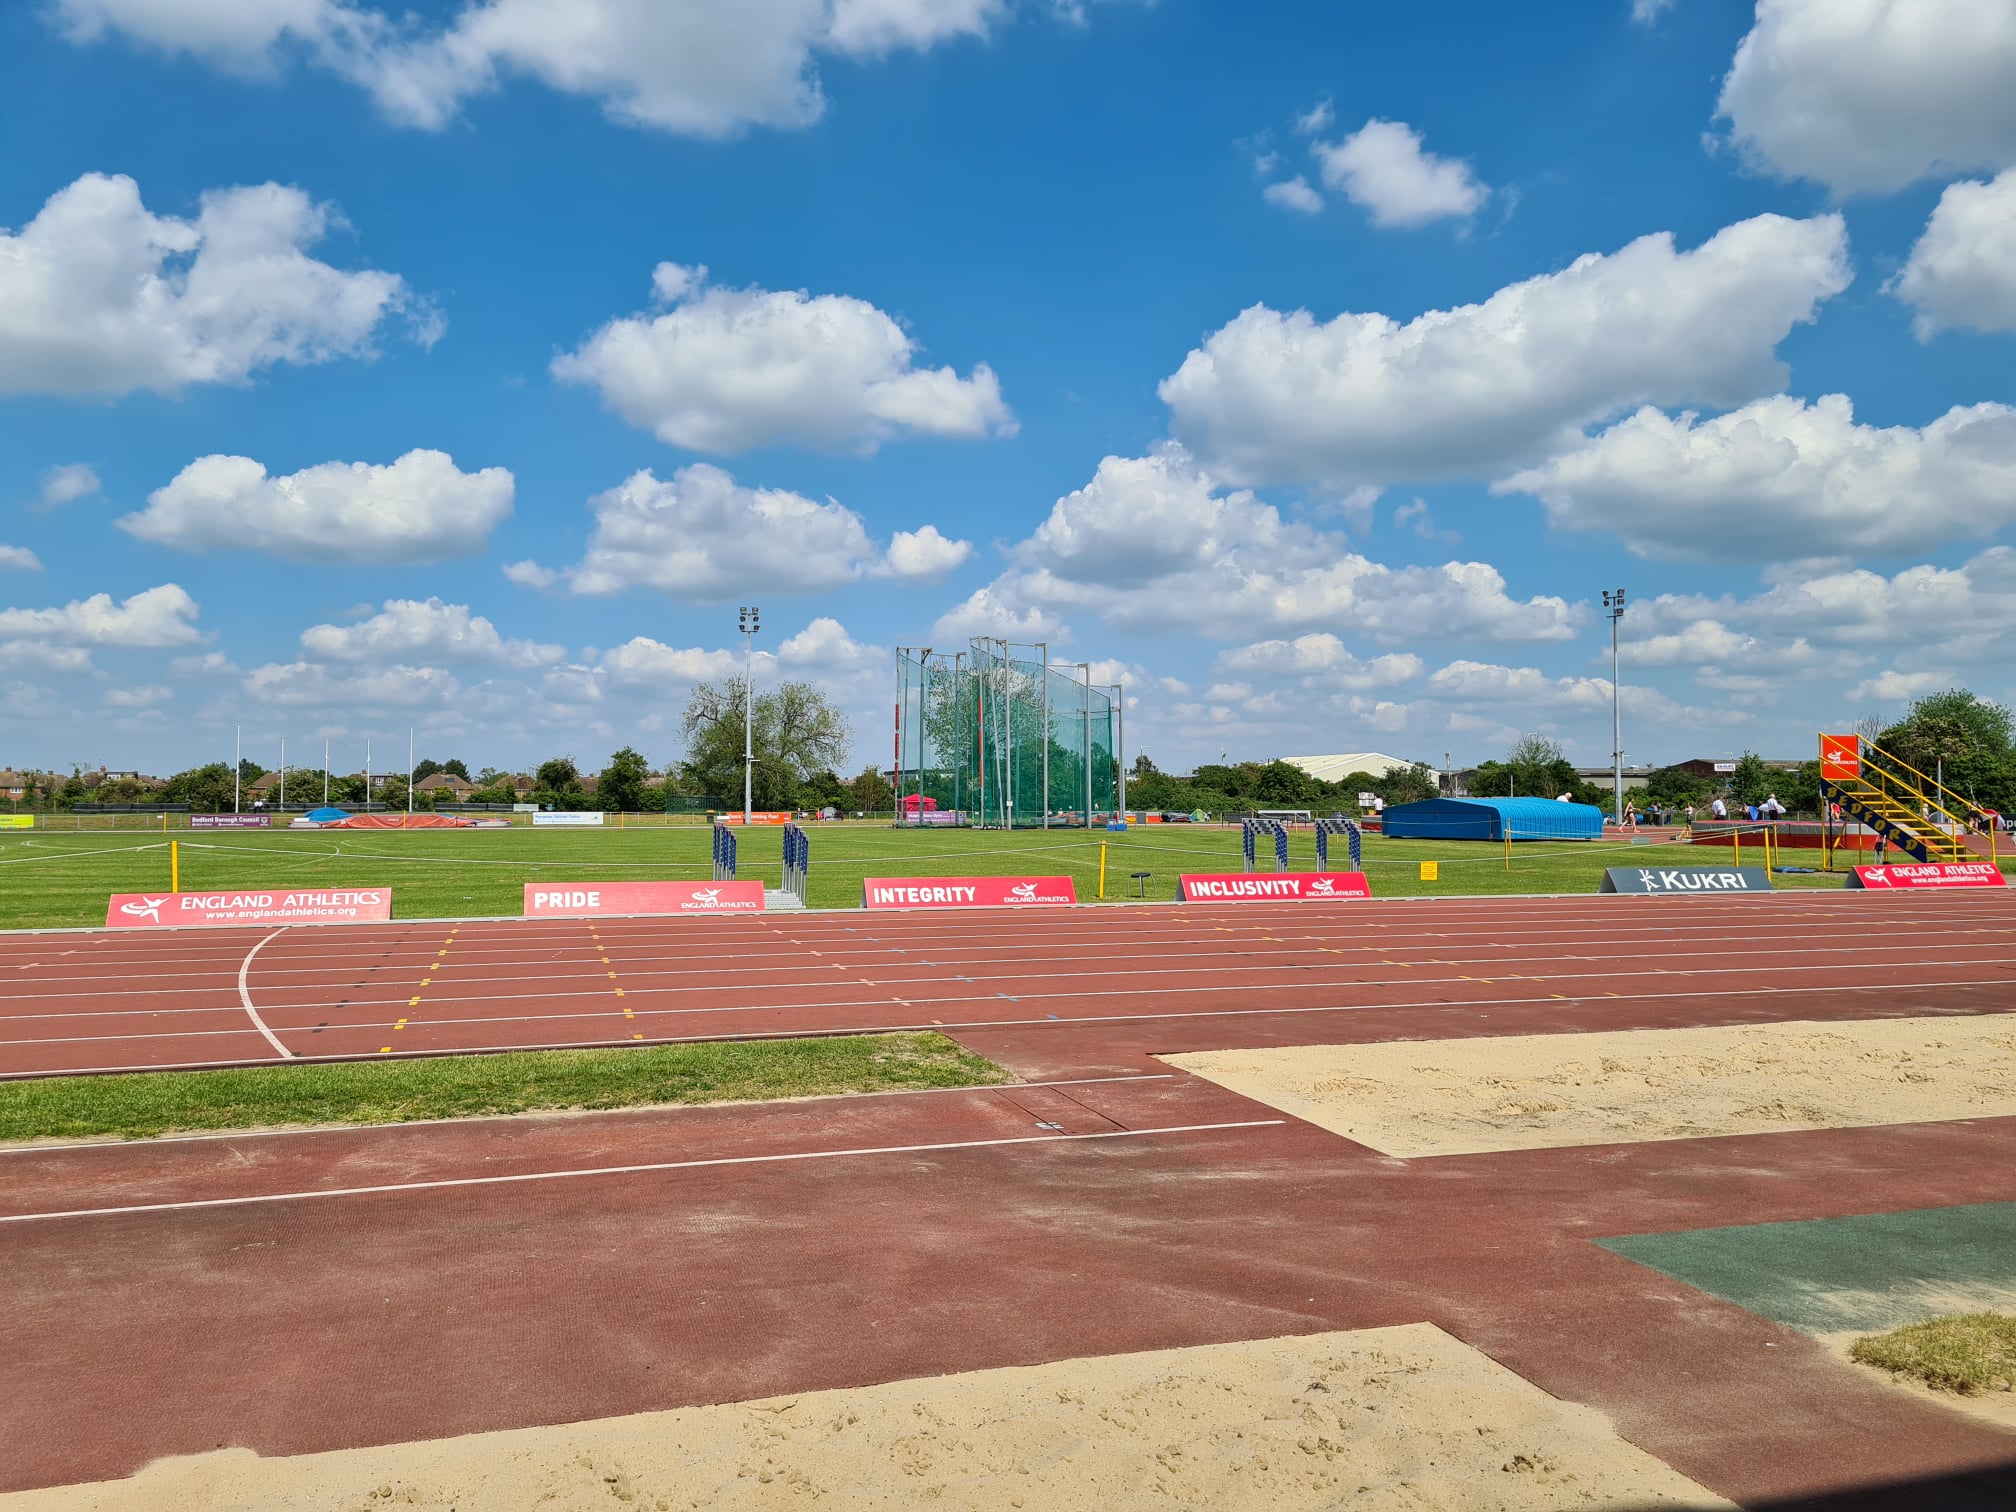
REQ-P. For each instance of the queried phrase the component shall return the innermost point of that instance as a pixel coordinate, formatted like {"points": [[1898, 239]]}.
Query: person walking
{"points": [[1718, 809]]}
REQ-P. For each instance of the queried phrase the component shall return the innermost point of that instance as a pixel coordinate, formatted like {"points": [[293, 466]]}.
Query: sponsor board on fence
{"points": [[759, 816], [1693, 880], [1264, 887], [190, 910], [17, 821], [230, 821], [568, 819], [1840, 758], [967, 892], [573, 900], [1930, 874]]}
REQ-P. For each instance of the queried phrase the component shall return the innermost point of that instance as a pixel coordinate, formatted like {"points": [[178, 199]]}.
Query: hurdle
{"points": [[797, 860], [1338, 825], [1249, 847], [724, 853]]}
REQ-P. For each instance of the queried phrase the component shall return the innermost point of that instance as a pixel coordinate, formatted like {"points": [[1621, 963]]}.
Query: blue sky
{"points": [[1309, 368]]}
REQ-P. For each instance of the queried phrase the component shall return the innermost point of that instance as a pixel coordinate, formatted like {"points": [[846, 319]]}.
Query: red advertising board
{"points": [[757, 816], [1930, 874], [575, 900], [279, 905], [1840, 758], [1268, 887], [967, 892]]}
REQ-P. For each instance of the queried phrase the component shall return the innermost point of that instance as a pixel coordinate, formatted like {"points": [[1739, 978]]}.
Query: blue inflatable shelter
{"points": [[1494, 819]]}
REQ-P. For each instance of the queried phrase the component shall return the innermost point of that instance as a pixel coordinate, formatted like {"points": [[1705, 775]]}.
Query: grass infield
{"points": [[1965, 1353], [468, 1086], [54, 878]]}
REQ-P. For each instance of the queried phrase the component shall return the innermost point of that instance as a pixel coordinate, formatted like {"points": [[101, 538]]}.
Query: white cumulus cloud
{"points": [[1382, 169], [694, 67], [1153, 543], [313, 685], [163, 616], [67, 484], [1780, 475], [100, 297], [1293, 194], [19, 559], [724, 370], [1318, 660], [420, 508], [703, 537], [1962, 272], [1361, 398], [1868, 95], [425, 630]]}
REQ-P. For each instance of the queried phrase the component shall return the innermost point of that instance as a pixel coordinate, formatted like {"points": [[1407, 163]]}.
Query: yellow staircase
{"points": [[1896, 800]]}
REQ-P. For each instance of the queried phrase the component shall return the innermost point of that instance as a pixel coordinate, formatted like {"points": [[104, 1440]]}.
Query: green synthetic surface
{"points": [[1832, 1275], [54, 878], [468, 1086]]}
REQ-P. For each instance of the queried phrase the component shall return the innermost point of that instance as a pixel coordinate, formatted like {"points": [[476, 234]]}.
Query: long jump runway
{"points": [[296, 1291]]}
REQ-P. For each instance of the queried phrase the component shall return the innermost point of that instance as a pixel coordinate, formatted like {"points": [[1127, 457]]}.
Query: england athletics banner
{"points": [[193, 910], [1260, 887], [967, 892], [1935, 874], [575, 900]]}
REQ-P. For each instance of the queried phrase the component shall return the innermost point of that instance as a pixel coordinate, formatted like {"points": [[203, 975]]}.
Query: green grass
{"points": [[55, 877], [1965, 1353], [469, 1086]]}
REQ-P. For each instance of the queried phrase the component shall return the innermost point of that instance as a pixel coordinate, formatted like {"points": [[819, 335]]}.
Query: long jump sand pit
{"points": [[1530, 1092], [1403, 1417]]}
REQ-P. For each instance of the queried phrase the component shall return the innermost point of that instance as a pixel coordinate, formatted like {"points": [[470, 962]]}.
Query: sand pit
{"points": [[1383, 1418], [1530, 1092]]}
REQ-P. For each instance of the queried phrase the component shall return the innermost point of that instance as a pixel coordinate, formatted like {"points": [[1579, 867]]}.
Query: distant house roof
{"points": [[436, 781], [1330, 768]]}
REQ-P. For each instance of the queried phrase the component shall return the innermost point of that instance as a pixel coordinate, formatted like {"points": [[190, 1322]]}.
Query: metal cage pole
{"points": [[1045, 647]]}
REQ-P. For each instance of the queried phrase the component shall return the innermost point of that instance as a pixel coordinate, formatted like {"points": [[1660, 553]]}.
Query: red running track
{"points": [[116, 1001], [310, 1290]]}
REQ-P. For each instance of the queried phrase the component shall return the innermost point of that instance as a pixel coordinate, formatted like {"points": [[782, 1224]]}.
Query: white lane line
{"points": [[170, 1141], [245, 994], [627, 1170]]}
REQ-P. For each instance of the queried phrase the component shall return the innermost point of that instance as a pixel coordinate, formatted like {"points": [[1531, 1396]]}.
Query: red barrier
{"points": [[576, 900], [192, 910], [1935, 874], [1257, 887], [967, 892]]}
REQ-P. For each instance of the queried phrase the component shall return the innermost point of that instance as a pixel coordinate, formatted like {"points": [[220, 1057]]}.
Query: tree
{"points": [[558, 775], [456, 767], [824, 789], [623, 782], [425, 769], [1677, 785], [1142, 768], [871, 793], [794, 732], [249, 771], [1753, 781], [206, 789], [1412, 784]]}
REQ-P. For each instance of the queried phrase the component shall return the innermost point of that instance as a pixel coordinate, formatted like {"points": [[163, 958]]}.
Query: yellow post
{"points": [[1737, 835], [620, 817], [1508, 853], [1102, 868], [174, 866]]}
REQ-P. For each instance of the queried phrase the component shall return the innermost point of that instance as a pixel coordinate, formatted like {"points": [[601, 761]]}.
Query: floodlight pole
{"points": [[283, 774], [409, 772], [1044, 647], [1613, 606], [237, 765], [325, 774], [749, 626]]}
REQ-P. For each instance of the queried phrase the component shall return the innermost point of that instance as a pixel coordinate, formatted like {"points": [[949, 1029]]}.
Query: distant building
{"points": [[457, 789], [1723, 768], [1332, 768], [1634, 776]]}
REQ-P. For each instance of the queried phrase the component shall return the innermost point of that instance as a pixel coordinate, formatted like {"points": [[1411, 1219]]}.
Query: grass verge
{"points": [[1965, 1353], [468, 1086]]}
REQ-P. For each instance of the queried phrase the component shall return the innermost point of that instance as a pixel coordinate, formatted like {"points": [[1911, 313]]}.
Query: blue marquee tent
{"points": [[1494, 819]]}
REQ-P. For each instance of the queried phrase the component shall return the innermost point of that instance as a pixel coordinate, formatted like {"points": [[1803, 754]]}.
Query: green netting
{"points": [[1001, 740]]}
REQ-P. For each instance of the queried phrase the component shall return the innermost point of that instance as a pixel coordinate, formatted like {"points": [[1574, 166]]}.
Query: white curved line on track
{"points": [[245, 994], [631, 1170]]}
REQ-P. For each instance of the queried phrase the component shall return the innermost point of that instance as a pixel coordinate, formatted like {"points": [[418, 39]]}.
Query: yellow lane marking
{"points": [[398, 1026]]}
